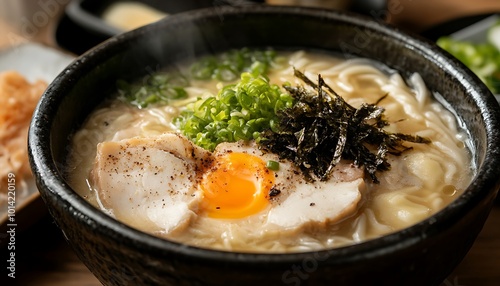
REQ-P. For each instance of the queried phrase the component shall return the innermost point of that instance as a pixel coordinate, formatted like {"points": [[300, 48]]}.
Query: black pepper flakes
{"points": [[274, 192]]}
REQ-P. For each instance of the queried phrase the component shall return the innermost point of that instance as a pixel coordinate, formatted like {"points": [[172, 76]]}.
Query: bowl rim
{"points": [[51, 181]]}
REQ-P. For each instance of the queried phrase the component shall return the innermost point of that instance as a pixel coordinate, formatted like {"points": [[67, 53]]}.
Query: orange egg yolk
{"points": [[237, 186]]}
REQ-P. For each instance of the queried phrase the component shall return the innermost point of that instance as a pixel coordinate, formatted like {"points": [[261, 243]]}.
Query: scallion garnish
{"points": [[159, 88], [273, 165], [163, 88], [238, 112], [229, 65]]}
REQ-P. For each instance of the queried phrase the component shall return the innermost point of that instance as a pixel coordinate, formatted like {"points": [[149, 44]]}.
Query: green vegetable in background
{"points": [[483, 59], [239, 111]]}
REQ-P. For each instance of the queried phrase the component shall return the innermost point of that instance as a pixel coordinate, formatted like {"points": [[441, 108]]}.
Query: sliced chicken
{"points": [[150, 182], [316, 205]]}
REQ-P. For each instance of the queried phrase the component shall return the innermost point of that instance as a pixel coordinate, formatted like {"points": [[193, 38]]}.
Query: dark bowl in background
{"points": [[423, 254], [83, 27]]}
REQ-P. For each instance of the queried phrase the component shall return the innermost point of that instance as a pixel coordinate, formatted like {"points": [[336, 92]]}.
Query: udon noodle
{"points": [[420, 182]]}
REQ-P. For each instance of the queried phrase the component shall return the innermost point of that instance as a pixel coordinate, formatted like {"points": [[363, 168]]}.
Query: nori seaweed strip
{"points": [[321, 129]]}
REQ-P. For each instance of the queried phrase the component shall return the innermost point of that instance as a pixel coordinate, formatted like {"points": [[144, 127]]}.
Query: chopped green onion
{"points": [[161, 88], [229, 65], [240, 111], [273, 165]]}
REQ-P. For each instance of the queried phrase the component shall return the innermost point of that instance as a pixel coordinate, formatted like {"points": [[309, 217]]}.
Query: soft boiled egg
{"points": [[167, 182], [236, 186]]}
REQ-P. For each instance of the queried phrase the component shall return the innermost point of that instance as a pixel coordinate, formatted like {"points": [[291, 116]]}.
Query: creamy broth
{"points": [[420, 183]]}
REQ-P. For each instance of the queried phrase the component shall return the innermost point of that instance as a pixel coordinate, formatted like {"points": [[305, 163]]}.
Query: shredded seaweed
{"points": [[321, 128]]}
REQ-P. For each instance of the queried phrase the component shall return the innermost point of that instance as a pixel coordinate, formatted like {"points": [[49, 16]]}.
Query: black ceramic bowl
{"points": [[423, 254], [83, 27]]}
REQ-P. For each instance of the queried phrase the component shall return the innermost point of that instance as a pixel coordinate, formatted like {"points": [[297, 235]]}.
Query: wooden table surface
{"points": [[44, 258]]}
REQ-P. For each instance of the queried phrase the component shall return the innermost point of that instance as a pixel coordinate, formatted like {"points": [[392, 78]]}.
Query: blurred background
{"points": [[79, 24]]}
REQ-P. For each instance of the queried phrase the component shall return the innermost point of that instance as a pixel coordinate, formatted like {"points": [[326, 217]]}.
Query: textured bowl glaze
{"points": [[423, 254]]}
